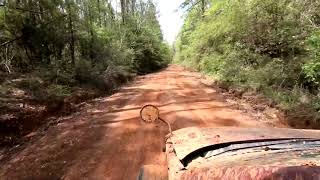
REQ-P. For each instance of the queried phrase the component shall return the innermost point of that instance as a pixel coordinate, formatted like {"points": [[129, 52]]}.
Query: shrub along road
{"points": [[107, 140]]}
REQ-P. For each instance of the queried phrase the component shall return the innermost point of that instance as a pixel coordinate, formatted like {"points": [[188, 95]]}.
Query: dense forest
{"points": [[271, 47], [55, 53]]}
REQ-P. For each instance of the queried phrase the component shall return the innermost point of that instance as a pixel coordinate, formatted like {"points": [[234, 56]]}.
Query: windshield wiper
{"points": [[283, 144], [217, 149]]}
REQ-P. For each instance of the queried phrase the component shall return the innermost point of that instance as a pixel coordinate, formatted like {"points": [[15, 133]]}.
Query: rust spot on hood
{"points": [[191, 139], [253, 173]]}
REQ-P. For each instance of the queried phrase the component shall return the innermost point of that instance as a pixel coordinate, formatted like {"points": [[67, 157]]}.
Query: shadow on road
{"points": [[106, 139]]}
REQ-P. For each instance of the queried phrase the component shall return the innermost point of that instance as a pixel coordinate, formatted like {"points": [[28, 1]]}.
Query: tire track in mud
{"points": [[128, 145], [137, 143], [108, 139], [179, 122]]}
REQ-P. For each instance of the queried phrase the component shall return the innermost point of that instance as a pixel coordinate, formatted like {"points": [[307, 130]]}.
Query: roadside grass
{"points": [[301, 109], [27, 100]]}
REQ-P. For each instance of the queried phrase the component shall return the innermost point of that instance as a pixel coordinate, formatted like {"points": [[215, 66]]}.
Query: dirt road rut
{"points": [[106, 140]]}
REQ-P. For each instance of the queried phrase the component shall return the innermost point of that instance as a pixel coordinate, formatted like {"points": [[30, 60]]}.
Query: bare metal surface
{"points": [[262, 157], [169, 127], [252, 173], [295, 144], [189, 140], [174, 164], [292, 160], [252, 164]]}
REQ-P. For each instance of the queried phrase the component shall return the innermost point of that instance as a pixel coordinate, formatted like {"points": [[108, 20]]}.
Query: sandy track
{"points": [[106, 140]]}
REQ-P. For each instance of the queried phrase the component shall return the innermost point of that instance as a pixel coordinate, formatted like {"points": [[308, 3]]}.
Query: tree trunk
{"points": [[91, 34], [72, 39], [123, 10], [99, 15], [203, 6], [133, 6], [72, 46]]}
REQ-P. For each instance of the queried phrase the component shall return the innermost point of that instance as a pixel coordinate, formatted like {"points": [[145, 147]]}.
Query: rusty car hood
{"points": [[297, 158], [255, 164], [188, 140], [251, 173]]}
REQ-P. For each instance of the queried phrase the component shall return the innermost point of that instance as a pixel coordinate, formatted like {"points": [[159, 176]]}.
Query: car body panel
{"points": [[189, 140], [251, 173], [259, 163]]}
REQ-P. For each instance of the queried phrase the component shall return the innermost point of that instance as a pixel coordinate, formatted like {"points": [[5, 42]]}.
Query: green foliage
{"points": [[312, 72], [266, 45], [311, 68], [32, 85], [55, 92], [149, 53], [72, 43], [54, 54]]}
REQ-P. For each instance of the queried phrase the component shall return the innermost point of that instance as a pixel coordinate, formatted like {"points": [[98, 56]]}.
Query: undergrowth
{"points": [[269, 47]]}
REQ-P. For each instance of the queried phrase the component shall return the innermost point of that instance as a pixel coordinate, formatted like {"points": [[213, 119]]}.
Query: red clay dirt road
{"points": [[107, 140]]}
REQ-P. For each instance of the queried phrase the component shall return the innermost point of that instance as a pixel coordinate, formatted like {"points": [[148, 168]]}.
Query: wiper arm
{"points": [[283, 144], [217, 149]]}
